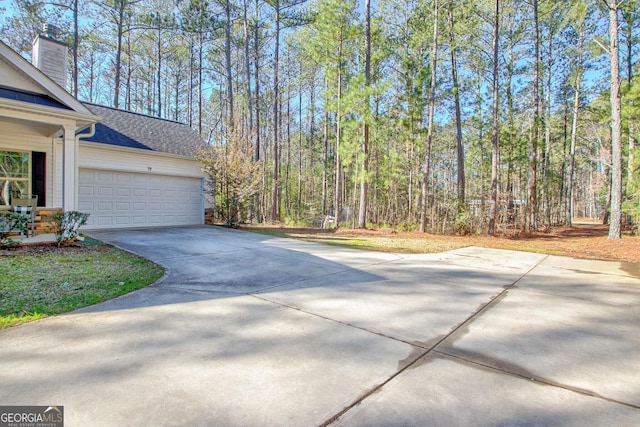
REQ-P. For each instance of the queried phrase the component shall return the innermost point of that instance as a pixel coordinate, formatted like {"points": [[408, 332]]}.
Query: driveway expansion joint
{"points": [[522, 373], [278, 372], [483, 308]]}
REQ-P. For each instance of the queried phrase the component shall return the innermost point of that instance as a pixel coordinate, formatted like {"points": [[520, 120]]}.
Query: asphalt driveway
{"points": [[251, 330]]}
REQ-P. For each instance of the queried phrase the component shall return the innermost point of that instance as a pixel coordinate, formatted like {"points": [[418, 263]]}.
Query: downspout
{"points": [[92, 132], [76, 144]]}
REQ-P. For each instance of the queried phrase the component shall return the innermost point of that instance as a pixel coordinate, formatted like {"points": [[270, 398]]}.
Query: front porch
{"points": [[43, 221], [40, 124]]}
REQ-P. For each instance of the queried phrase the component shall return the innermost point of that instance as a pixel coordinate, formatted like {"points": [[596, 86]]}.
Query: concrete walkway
{"points": [[250, 330]]}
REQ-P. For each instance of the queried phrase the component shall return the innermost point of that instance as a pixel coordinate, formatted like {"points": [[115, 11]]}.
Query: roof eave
{"points": [[82, 119]]}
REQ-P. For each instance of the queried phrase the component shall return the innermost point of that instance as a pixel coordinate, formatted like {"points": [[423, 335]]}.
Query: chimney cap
{"points": [[51, 31]]}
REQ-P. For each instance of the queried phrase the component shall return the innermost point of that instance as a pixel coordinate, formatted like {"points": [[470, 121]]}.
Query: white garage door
{"points": [[125, 199]]}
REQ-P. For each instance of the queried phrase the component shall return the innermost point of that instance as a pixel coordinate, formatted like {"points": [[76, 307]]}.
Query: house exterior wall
{"points": [[21, 137], [97, 156], [12, 78]]}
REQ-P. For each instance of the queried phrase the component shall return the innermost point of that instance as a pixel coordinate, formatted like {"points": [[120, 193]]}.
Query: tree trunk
{"points": [[200, 89], [159, 75], [287, 170], [362, 214], [227, 54], [247, 68], [456, 97], [256, 75], [258, 206], [192, 66], [275, 194], [511, 206], [629, 17], [121, 4], [75, 48], [337, 196], [495, 148], [127, 97], [300, 119], [547, 137], [325, 161], [432, 95], [615, 224], [530, 219], [574, 127]]}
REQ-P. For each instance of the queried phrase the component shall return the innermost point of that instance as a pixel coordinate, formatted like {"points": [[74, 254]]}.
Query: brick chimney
{"points": [[50, 54]]}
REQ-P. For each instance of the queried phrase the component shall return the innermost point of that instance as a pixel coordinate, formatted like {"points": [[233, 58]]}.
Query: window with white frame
{"points": [[14, 175]]}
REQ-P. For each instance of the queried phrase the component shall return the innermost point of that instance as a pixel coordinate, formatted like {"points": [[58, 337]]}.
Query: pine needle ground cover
{"points": [[40, 281], [587, 241]]}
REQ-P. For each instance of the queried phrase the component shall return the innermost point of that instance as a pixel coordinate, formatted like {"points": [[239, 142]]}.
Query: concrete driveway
{"points": [[250, 330]]}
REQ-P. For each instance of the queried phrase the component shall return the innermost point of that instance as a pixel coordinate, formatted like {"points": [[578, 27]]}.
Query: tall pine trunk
{"points": [[432, 95], [275, 190], [362, 214], [574, 128], [456, 98], [530, 218], [494, 131], [615, 221], [247, 68], [337, 190], [227, 55], [121, 6]]}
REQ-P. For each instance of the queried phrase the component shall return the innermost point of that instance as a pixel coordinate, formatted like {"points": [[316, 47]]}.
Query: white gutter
{"points": [[92, 132]]}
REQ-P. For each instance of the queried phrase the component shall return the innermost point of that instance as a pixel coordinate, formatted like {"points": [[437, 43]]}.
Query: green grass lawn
{"points": [[36, 283]]}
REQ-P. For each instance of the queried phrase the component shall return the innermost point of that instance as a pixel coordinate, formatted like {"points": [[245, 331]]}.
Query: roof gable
{"points": [[25, 77], [132, 130], [11, 77]]}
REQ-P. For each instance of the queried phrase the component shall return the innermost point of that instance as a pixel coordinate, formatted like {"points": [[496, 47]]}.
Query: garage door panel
{"points": [[104, 177], [138, 220], [104, 220], [85, 190], [126, 199], [123, 220], [123, 192]]}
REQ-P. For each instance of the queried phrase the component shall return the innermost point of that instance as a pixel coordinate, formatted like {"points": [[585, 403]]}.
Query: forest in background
{"points": [[443, 116]]}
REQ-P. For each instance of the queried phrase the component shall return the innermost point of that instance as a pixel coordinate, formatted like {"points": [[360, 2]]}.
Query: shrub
{"points": [[12, 221], [462, 224], [67, 224]]}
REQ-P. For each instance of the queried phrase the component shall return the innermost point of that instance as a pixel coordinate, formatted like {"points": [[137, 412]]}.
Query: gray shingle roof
{"points": [[133, 130]]}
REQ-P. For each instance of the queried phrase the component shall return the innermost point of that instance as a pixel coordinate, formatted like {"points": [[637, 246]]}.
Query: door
{"points": [[116, 199]]}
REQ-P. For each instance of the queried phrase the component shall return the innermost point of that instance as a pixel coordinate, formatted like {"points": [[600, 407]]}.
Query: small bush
{"points": [[67, 224], [462, 224], [11, 222]]}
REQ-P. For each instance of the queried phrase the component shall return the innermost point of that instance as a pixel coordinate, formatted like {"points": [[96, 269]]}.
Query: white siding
{"points": [[101, 156], [22, 138], [10, 77]]}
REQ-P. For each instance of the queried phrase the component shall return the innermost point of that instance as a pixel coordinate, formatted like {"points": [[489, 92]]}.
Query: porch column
{"points": [[69, 169]]}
